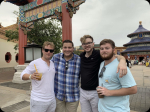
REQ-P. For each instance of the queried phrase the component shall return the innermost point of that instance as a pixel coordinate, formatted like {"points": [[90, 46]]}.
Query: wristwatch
{"points": [[30, 76]]}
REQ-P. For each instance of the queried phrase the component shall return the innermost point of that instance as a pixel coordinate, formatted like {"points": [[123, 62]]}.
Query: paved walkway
{"points": [[6, 75], [15, 98]]}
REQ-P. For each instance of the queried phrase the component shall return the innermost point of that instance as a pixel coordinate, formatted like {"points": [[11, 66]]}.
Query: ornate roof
{"points": [[140, 29], [137, 49], [137, 40]]}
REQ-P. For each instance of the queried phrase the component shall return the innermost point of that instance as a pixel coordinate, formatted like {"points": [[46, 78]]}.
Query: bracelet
{"points": [[30, 76]]}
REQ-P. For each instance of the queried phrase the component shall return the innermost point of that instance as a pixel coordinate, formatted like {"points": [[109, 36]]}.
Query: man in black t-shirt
{"points": [[90, 63]]}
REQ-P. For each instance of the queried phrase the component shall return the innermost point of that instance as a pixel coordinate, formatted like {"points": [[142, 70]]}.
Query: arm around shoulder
{"points": [[120, 58], [122, 67]]}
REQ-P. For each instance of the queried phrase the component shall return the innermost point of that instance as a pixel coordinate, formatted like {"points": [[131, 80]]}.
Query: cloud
{"points": [[6, 14], [113, 19]]}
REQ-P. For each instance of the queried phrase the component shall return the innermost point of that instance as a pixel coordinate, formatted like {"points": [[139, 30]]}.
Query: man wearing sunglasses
{"points": [[116, 90], [67, 66], [42, 93], [90, 63]]}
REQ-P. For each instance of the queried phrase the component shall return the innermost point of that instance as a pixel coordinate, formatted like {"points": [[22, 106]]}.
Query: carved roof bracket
{"points": [[26, 26], [57, 15], [72, 7]]}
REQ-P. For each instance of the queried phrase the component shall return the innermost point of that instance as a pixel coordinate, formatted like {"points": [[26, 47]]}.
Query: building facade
{"points": [[8, 55], [118, 50], [139, 46]]}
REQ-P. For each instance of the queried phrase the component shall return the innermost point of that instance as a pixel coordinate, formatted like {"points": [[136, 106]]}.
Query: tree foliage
{"points": [[44, 30], [77, 52]]}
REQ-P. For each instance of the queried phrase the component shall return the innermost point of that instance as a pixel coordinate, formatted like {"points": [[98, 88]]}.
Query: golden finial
{"points": [[28, 41], [140, 22]]}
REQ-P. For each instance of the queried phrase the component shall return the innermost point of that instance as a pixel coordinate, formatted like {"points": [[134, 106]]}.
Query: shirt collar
{"points": [[91, 54], [62, 55]]}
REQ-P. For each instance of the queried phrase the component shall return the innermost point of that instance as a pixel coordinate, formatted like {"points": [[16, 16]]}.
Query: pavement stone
{"points": [[7, 75], [12, 93]]}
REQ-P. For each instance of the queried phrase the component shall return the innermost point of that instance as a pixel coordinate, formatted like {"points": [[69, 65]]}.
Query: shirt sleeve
{"points": [[127, 80], [30, 69]]}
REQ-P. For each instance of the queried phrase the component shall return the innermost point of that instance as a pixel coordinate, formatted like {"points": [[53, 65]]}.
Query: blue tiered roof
{"points": [[138, 40], [137, 49], [141, 29]]}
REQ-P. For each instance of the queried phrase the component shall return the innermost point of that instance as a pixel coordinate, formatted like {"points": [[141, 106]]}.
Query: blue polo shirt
{"points": [[111, 81]]}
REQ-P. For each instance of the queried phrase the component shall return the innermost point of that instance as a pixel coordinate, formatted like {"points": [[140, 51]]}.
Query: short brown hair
{"points": [[111, 42], [82, 39], [46, 43], [68, 41]]}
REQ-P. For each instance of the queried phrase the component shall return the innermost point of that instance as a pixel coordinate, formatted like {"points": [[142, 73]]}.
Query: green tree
{"points": [[44, 30], [77, 52]]}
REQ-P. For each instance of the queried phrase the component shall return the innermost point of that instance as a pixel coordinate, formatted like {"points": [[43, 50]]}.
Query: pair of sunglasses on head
{"points": [[50, 50]]}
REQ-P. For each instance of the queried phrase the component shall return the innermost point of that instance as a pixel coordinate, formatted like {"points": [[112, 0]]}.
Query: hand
{"points": [[34, 76], [104, 91], [122, 67]]}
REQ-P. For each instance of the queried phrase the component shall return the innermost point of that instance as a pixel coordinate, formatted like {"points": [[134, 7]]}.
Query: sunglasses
{"points": [[66, 65], [50, 50], [87, 43], [102, 71]]}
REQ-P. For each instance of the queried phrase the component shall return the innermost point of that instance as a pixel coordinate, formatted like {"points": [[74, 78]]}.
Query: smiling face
{"points": [[68, 49], [106, 51], [88, 45]]}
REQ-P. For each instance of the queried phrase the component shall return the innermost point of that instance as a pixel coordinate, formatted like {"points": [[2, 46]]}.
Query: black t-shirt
{"points": [[89, 70], [127, 62]]}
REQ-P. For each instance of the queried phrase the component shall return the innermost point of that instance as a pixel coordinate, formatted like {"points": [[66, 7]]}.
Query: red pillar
{"points": [[66, 24], [22, 43]]}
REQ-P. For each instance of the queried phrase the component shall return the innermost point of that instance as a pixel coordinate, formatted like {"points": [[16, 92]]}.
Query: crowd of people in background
{"points": [[145, 62]]}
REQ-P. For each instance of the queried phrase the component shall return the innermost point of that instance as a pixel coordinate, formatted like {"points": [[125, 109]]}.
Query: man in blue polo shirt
{"points": [[116, 90]]}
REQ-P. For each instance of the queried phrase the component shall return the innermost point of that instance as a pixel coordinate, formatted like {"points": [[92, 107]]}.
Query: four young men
{"points": [[68, 69]]}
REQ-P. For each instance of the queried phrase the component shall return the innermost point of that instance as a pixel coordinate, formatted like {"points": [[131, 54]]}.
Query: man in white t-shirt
{"points": [[42, 93]]}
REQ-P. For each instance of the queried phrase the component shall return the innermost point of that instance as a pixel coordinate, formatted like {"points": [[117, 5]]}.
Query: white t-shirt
{"points": [[42, 90]]}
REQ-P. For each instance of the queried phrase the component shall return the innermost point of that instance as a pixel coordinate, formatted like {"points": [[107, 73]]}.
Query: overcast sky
{"points": [[113, 19]]}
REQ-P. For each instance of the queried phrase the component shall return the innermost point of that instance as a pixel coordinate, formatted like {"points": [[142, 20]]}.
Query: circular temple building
{"points": [[139, 46]]}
